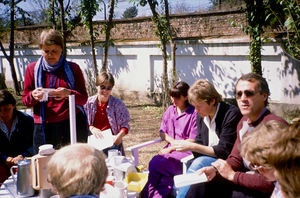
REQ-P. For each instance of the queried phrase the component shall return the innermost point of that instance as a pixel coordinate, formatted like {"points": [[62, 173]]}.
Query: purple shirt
{"points": [[179, 127]]}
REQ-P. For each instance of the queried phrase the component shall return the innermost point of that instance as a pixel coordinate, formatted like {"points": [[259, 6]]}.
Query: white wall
{"points": [[137, 66]]}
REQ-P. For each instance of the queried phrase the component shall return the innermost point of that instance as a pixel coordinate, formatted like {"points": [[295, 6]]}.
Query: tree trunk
{"points": [[63, 27], [93, 46], [12, 48], [173, 57], [165, 81], [172, 44], [109, 25]]}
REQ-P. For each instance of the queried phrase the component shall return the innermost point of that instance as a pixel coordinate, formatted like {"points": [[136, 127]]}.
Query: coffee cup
{"points": [[121, 188]]}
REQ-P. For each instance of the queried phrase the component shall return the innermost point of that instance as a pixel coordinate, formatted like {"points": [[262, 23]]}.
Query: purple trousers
{"points": [[162, 169]]}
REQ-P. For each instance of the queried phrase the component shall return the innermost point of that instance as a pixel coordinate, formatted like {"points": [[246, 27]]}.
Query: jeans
{"points": [[197, 164]]}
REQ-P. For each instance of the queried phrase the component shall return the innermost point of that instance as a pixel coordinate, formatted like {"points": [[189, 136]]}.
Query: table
{"points": [[8, 189]]}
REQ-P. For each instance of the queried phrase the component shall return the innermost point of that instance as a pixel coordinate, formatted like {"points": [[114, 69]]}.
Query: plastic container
{"points": [[136, 181]]}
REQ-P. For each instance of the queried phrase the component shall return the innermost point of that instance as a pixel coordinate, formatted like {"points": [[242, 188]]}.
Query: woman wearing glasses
{"points": [[107, 112], [47, 86]]}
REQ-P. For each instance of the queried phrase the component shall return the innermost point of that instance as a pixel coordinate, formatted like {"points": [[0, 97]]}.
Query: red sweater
{"points": [[251, 181], [55, 110]]}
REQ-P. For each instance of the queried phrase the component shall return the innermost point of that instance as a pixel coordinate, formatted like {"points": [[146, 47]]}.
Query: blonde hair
{"points": [[259, 143], [105, 77], [285, 158], [51, 37], [77, 169], [203, 90]]}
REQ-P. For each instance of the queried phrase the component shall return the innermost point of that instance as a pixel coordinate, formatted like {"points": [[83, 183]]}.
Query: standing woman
{"points": [[51, 114], [178, 124], [107, 112]]}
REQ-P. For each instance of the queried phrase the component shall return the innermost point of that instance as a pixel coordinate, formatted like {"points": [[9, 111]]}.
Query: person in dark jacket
{"points": [[16, 134], [216, 126]]}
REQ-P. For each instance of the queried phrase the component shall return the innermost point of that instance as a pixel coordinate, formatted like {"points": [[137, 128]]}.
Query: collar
{"points": [[264, 112], [4, 128]]}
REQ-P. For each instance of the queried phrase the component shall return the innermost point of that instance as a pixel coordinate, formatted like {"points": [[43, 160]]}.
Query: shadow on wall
{"points": [[291, 67]]}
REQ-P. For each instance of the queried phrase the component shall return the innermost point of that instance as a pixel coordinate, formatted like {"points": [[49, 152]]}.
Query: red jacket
{"points": [[55, 110], [252, 181]]}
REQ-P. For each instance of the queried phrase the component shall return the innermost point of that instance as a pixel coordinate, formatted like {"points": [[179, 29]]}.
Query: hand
{"points": [[118, 140], [224, 169], [166, 150], [18, 158], [60, 93], [182, 145], [9, 161], [209, 171], [96, 132], [38, 94]]}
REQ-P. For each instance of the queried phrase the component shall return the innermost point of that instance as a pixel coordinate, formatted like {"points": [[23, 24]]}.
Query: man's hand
{"points": [[166, 150], [209, 171], [224, 169]]}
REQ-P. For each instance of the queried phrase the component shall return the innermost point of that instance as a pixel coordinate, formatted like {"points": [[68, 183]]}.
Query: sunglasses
{"points": [[247, 93], [108, 88]]}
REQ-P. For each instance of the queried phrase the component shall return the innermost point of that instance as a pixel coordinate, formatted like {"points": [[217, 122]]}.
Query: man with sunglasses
{"points": [[234, 176]]}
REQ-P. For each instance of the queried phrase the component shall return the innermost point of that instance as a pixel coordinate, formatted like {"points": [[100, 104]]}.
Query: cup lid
{"points": [[46, 149]]}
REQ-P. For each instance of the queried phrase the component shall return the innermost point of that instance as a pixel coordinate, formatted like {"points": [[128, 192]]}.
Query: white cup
{"points": [[113, 152], [118, 175], [118, 160], [121, 188]]}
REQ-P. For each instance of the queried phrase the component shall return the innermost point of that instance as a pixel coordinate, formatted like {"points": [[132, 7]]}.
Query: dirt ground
{"points": [[145, 123]]}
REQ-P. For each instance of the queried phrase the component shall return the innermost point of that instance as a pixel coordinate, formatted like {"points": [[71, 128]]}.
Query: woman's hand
{"points": [[182, 145], [96, 132], [166, 150], [18, 158], [60, 93], [119, 138], [38, 94]]}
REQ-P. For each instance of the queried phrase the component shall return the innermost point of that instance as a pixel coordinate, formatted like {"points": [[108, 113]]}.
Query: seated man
{"points": [[16, 134], [77, 170], [233, 180], [216, 128]]}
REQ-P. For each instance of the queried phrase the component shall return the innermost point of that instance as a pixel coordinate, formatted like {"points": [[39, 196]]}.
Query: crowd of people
{"points": [[244, 150]]}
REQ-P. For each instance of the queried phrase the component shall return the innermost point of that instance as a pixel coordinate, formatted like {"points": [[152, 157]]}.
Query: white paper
{"points": [[102, 143], [189, 179]]}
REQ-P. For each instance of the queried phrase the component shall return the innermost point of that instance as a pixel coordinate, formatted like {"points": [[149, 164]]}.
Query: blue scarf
{"points": [[43, 66]]}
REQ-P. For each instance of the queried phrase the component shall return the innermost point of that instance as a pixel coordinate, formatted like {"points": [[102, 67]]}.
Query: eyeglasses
{"points": [[247, 93], [108, 88], [256, 167]]}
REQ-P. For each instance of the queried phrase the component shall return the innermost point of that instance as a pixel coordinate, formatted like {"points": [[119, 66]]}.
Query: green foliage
{"points": [[286, 14], [130, 12]]}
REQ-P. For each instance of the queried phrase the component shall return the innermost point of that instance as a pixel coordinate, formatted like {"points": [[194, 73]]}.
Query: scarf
{"points": [[43, 66]]}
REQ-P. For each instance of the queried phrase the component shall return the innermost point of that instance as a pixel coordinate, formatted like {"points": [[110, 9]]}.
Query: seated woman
{"points": [[216, 124], [77, 170], [107, 112], [16, 134], [178, 123]]}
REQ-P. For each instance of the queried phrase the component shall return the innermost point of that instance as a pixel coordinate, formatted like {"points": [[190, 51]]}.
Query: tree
{"points": [[130, 12], [88, 11], [12, 7], [107, 28], [255, 16]]}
